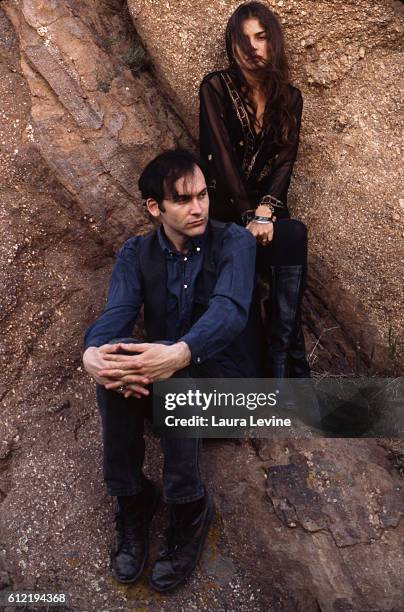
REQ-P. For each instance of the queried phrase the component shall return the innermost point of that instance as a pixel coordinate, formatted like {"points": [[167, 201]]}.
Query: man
{"points": [[195, 278]]}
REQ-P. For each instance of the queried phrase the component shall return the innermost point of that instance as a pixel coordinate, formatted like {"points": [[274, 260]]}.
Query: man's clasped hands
{"points": [[132, 373]]}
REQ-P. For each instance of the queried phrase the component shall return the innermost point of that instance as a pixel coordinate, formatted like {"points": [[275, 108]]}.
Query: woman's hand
{"points": [[263, 232]]}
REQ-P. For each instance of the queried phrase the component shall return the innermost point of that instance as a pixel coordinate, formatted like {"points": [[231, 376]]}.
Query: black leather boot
{"points": [[186, 535], [133, 518], [298, 364], [287, 353]]}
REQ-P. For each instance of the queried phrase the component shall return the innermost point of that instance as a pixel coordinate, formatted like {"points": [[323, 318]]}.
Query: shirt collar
{"points": [[194, 244]]}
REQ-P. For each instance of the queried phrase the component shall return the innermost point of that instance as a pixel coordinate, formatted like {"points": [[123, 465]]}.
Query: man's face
{"points": [[185, 214]]}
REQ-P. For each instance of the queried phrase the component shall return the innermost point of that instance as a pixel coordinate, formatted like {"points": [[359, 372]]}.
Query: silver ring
{"points": [[121, 389]]}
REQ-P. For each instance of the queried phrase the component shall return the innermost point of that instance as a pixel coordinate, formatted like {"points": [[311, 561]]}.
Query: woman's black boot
{"points": [[287, 355], [298, 364]]}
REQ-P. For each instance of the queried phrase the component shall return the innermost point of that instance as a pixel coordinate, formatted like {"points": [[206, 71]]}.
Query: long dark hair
{"points": [[273, 76]]}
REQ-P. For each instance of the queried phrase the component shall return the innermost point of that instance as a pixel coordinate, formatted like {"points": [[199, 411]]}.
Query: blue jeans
{"points": [[124, 446]]}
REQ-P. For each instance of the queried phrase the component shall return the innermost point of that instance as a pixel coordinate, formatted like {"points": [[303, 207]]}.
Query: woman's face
{"points": [[257, 37]]}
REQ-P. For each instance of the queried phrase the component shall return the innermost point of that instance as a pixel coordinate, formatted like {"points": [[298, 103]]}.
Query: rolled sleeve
{"points": [[230, 302]]}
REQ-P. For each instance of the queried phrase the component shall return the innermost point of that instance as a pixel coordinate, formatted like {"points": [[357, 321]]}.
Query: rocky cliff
{"points": [[301, 525]]}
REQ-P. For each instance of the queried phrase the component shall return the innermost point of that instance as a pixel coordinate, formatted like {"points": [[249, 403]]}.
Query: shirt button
{"points": [[210, 156], [198, 249], [185, 258], [241, 143], [185, 286], [198, 360]]}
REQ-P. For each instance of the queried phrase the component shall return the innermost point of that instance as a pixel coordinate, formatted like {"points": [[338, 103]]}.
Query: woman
{"points": [[249, 134]]}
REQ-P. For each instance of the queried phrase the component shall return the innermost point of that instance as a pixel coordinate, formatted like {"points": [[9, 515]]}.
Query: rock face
{"points": [[77, 121], [300, 519], [94, 123], [345, 57]]}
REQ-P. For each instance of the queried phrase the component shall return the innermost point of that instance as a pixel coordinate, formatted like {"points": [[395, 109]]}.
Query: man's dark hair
{"points": [[158, 178]]}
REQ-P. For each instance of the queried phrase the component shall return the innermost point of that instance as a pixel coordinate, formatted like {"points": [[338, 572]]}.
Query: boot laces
{"points": [[177, 535], [129, 528]]}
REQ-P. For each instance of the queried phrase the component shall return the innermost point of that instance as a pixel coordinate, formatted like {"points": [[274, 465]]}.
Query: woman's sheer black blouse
{"points": [[243, 166]]}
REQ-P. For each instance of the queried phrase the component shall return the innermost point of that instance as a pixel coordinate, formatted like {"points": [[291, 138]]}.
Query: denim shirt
{"points": [[182, 272], [229, 304]]}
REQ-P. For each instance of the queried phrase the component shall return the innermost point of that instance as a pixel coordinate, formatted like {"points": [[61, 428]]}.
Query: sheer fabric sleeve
{"points": [[216, 145], [276, 185]]}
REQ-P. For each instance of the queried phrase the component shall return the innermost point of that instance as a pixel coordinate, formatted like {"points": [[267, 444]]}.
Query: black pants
{"points": [[287, 248], [124, 446]]}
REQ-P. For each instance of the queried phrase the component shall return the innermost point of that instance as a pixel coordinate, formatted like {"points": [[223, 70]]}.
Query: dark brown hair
{"points": [[273, 76], [158, 179]]}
